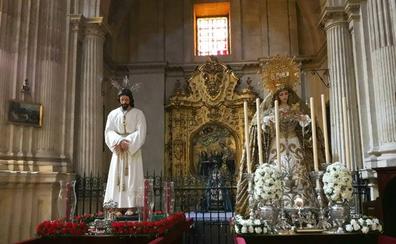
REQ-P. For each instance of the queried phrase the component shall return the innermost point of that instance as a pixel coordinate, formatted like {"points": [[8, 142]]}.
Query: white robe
{"points": [[129, 164]]}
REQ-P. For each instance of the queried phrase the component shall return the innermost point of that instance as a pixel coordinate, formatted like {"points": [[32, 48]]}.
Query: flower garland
{"points": [[363, 225], [80, 227], [267, 183], [251, 226], [147, 227], [58, 227], [337, 183]]}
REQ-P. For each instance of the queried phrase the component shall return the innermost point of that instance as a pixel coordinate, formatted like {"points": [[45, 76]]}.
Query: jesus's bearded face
{"points": [[125, 102]]}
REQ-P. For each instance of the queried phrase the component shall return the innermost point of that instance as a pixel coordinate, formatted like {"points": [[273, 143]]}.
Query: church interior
{"points": [[198, 67]]}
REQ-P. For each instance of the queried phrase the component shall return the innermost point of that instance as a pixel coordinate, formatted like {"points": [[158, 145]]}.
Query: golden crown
{"points": [[280, 72]]}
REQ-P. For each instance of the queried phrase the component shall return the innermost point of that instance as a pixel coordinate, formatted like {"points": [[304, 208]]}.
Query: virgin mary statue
{"points": [[280, 76]]}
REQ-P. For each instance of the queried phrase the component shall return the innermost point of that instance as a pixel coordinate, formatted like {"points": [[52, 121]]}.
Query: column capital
{"points": [[332, 16], [76, 21], [95, 26], [352, 9]]}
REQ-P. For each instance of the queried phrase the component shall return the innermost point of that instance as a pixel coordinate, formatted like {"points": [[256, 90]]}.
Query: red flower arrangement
{"points": [[80, 227], [146, 227], [57, 227]]}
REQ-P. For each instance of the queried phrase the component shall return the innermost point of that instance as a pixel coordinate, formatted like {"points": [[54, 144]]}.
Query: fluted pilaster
{"points": [[382, 23], [90, 132], [73, 44], [342, 84], [50, 68], [6, 60]]}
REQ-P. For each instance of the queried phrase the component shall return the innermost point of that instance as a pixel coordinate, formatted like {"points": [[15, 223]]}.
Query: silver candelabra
{"points": [[322, 220]]}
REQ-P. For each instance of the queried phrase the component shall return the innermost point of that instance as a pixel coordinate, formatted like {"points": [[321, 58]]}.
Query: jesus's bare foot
{"points": [[129, 212]]}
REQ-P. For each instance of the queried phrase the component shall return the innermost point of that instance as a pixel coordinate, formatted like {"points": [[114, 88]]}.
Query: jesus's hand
{"points": [[124, 145], [118, 149]]}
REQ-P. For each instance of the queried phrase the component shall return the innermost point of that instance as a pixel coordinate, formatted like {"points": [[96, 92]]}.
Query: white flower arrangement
{"points": [[337, 183], [267, 184], [363, 225], [252, 226]]}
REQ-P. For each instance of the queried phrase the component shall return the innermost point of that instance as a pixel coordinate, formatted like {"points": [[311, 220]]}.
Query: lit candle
{"points": [[260, 147], [245, 111], [277, 135], [314, 141], [326, 136], [346, 141]]}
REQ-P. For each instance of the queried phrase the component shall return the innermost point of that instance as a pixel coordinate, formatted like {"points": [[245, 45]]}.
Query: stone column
{"points": [[358, 27], [90, 113], [342, 84], [383, 52]]}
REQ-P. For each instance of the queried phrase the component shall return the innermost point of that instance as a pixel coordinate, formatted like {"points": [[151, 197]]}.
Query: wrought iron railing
{"points": [[209, 201]]}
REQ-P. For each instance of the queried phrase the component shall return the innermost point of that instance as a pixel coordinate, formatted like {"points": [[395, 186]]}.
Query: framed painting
{"points": [[25, 113]]}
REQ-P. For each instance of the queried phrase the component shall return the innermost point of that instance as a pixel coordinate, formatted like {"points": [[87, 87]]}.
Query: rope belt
{"points": [[122, 168]]}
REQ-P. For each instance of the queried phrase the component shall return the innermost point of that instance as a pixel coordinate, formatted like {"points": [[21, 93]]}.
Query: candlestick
{"points": [[277, 135], [248, 163], [260, 147], [314, 140], [326, 136]]}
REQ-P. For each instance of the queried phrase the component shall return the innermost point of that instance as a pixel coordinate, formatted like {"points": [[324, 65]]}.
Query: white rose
{"points": [[379, 228], [271, 182], [256, 222], [327, 190], [374, 226], [244, 229], [265, 230], [356, 227], [361, 221], [251, 229], [258, 230], [349, 228], [365, 229], [369, 222], [353, 222]]}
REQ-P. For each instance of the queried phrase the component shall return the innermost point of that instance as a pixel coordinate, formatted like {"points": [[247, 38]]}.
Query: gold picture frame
{"points": [[25, 113]]}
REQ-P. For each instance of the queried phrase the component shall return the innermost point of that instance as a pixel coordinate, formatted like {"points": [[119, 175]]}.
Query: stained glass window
{"points": [[212, 36]]}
